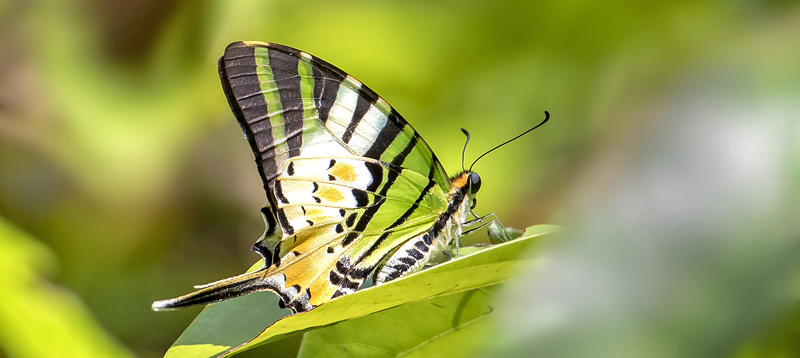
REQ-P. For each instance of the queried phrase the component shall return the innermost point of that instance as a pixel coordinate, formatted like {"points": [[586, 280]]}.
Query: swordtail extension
{"points": [[217, 291]]}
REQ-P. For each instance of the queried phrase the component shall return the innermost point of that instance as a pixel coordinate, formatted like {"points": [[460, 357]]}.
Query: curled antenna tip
{"points": [[546, 117]]}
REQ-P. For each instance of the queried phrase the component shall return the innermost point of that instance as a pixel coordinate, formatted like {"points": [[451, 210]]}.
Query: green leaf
{"points": [[448, 326], [242, 323]]}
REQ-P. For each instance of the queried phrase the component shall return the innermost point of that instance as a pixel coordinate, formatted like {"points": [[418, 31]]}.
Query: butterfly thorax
{"points": [[461, 200]]}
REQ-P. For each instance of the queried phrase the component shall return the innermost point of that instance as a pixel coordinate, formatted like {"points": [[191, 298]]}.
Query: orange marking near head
{"points": [[461, 181], [344, 172], [329, 194]]}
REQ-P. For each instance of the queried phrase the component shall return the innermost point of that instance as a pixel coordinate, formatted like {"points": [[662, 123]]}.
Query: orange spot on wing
{"points": [[329, 194], [344, 172], [313, 212], [317, 214]]}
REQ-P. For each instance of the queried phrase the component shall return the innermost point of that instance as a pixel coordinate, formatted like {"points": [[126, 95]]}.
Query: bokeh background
{"points": [[672, 158]]}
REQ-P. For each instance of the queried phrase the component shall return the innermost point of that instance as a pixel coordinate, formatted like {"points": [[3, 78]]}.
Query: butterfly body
{"points": [[416, 252], [351, 187]]}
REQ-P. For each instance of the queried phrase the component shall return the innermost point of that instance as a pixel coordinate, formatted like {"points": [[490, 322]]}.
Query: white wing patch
{"points": [[342, 111], [302, 216], [315, 195], [291, 192], [368, 129], [349, 172]]}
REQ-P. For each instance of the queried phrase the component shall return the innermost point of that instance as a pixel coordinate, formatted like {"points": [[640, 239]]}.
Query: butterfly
{"points": [[352, 189]]}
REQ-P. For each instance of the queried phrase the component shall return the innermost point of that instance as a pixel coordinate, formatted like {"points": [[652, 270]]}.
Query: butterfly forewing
{"points": [[348, 180]]}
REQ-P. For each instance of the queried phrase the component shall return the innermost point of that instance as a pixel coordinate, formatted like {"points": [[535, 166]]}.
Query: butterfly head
{"points": [[474, 183], [467, 182]]}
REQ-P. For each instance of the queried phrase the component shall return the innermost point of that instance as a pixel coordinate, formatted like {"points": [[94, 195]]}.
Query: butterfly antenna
{"points": [[546, 117], [464, 151]]}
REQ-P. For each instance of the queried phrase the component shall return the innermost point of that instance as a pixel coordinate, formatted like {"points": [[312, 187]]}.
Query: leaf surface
{"points": [[242, 323]]}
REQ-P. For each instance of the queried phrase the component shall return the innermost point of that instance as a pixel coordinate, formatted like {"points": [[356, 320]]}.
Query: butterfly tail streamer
{"points": [[217, 291]]}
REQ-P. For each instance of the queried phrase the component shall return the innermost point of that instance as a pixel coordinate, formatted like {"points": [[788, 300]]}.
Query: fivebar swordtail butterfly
{"points": [[352, 189]]}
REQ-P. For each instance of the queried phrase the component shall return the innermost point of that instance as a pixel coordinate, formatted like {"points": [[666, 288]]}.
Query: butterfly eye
{"points": [[474, 183]]}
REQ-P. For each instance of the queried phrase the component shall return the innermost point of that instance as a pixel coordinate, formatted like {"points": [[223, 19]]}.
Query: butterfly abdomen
{"points": [[409, 258]]}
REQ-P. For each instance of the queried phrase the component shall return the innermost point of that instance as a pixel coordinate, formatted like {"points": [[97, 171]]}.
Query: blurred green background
{"points": [[672, 157]]}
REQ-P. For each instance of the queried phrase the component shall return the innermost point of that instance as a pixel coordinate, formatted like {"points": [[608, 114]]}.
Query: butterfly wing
{"points": [[348, 180]]}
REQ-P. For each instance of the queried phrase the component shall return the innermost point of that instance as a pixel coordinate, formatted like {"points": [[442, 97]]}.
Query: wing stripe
{"points": [[368, 128], [398, 160], [376, 173], [325, 89], [390, 179], [287, 80], [287, 228], [387, 134], [362, 105], [401, 219]]}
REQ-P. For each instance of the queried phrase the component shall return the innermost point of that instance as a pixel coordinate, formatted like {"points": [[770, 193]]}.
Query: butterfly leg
{"points": [[497, 231]]}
